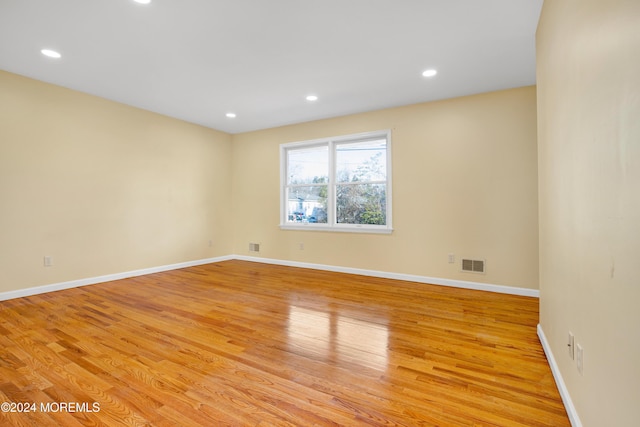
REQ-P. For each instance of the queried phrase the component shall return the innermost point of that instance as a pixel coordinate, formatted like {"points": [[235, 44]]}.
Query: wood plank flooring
{"points": [[246, 344]]}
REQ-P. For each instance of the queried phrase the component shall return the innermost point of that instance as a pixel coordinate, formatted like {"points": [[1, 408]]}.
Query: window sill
{"points": [[338, 229]]}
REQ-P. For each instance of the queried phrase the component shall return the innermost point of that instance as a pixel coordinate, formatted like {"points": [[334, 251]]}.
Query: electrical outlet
{"points": [[570, 346], [580, 358], [48, 261], [210, 243], [301, 246], [452, 258]]}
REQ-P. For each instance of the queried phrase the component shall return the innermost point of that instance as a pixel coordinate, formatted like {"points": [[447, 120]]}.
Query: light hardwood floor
{"points": [[240, 343]]}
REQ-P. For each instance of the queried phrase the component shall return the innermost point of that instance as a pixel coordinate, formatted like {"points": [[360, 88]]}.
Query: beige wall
{"points": [[589, 154], [105, 188], [464, 182], [102, 187]]}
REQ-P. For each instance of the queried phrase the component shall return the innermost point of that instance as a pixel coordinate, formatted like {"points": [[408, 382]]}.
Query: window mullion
{"points": [[331, 202]]}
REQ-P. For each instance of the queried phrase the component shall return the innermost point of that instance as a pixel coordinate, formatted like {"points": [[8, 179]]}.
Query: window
{"points": [[339, 184]]}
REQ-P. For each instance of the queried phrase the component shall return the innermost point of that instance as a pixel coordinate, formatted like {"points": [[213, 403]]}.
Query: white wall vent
{"points": [[473, 265], [254, 247]]}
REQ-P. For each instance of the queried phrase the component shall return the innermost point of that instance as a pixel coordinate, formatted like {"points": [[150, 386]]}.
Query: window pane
{"points": [[361, 204], [363, 161], [307, 204], [308, 165]]}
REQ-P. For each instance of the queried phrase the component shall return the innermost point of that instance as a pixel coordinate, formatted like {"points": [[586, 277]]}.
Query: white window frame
{"points": [[331, 224]]}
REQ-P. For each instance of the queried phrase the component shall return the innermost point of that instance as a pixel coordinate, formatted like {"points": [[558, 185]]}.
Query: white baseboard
{"points": [[373, 273], [399, 276], [106, 278], [562, 388]]}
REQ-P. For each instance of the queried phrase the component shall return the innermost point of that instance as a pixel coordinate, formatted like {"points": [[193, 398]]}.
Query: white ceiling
{"points": [[199, 59]]}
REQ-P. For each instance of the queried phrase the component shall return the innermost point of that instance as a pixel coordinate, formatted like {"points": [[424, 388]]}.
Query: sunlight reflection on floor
{"points": [[336, 338]]}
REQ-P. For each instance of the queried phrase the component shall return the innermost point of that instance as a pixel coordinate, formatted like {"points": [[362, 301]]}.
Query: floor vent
{"points": [[254, 247], [473, 265]]}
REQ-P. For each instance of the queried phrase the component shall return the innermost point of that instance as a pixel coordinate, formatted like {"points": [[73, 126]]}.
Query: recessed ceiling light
{"points": [[50, 53], [312, 97], [429, 73], [142, 1], [231, 115]]}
